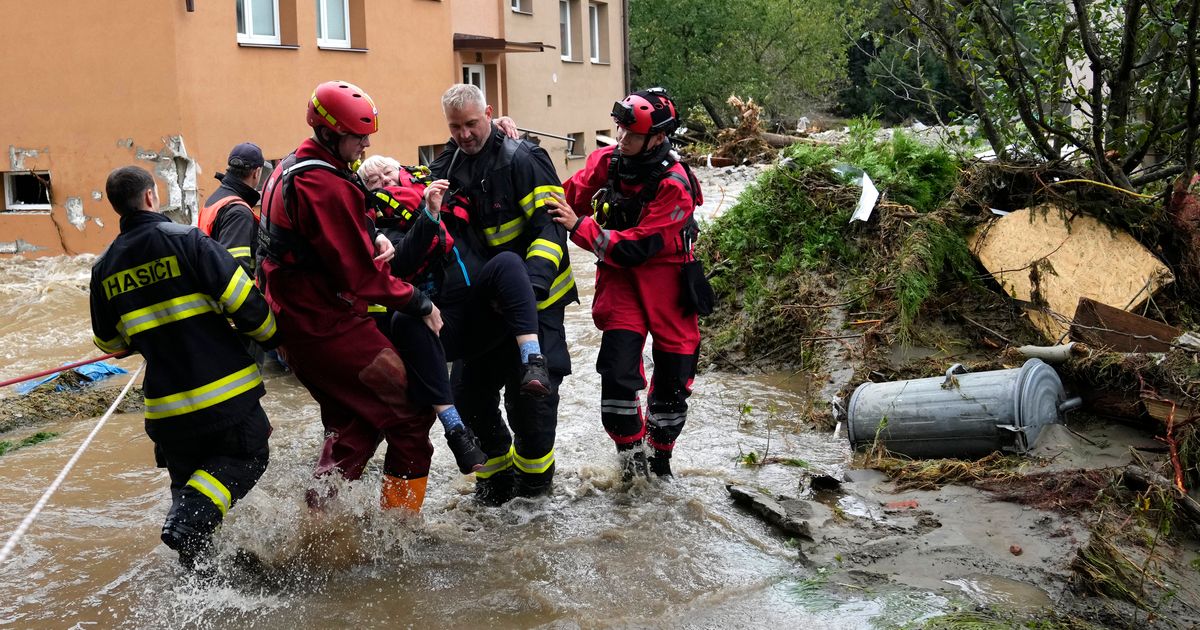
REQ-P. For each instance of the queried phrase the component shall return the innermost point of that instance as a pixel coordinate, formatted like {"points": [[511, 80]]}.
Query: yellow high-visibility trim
{"points": [[321, 110], [173, 310], [535, 466], [537, 198], [116, 344], [266, 330], [236, 291], [496, 464], [546, 249], [240, 252], [210, 487], [142, 275], [562, 284], [504, 232], [376, 308], [204, 396]]}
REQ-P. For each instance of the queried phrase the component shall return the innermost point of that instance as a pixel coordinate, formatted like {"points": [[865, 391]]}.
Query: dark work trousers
{"points": [[498, 305], [526, 443], [630, 303], [210, 473]]}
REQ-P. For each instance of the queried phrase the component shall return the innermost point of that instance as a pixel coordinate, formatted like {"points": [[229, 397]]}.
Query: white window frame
{"points": [[565, 36], [248, 14], [13, 206], [323, 27], [470, 69], [594, 30], [521, 6]]}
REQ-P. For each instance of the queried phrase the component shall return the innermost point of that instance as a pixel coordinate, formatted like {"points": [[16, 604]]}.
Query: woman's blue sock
{"points": [[450, 419], [528, 348]]}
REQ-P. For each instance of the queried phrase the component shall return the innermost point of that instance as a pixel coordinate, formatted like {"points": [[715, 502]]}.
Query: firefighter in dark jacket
{"points": [[320, 274], [168, 292], [642, 233], [507, 183], [228, 215]]}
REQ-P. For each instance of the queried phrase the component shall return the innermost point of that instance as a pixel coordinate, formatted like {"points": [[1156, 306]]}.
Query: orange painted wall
{"points": [[126, 76]]}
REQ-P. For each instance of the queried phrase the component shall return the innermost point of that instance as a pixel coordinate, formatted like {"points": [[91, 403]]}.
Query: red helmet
{"points": [[344, 108], [646, 112]]}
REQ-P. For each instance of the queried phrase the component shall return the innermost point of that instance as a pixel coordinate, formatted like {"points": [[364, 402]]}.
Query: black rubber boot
{"points": [[496, 489], [534, 485], [660, 464], [465, 446], [633, 461], [536, 379]]}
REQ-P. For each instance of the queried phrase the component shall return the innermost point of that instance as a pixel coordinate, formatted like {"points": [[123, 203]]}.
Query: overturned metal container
{"points": [[959, 414]]}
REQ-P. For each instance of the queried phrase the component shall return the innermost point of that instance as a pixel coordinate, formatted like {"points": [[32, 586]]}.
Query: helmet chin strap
{"points": [[321, 133]]}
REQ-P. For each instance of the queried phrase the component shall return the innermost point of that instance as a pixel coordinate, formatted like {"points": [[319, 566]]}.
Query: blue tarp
{"points": [[92, 372]]}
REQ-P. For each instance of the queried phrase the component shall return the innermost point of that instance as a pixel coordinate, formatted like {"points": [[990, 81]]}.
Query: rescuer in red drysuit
{"points": [[320, 273], [640, 199]]}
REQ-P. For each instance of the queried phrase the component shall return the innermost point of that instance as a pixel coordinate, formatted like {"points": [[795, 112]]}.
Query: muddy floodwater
{"points": [[595, 554]]}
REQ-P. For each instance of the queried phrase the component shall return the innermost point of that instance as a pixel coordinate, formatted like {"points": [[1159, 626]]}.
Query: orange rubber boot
{"points": [[397, 492]]}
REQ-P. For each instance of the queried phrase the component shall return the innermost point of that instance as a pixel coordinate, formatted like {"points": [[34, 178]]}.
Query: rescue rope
{"points": [[37, 508]]}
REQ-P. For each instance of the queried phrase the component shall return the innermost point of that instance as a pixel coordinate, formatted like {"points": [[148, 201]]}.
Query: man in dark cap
{"points": [[227, 216]]}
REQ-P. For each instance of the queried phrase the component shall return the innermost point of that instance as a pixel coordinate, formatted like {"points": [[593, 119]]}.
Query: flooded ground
{"points": [[597, 553]]}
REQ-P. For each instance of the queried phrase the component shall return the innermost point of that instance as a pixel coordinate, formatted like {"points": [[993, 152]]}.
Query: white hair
{"points": [[460, 96], [375, 165]]}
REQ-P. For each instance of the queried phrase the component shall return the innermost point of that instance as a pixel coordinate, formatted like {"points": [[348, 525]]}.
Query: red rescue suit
{"points": [[320, 295], [639, 291]]}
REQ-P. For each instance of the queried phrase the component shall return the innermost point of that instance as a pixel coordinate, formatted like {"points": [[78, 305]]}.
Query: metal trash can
{"points": [[959, 415]]}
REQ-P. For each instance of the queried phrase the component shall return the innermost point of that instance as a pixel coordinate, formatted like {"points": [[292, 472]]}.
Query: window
{"points": [[428, 153], [598, 31], [522, 6], [258, 21], [473, 74], [564, 28], [333, 23], [604, 138], [27, 190], [575, 146]]}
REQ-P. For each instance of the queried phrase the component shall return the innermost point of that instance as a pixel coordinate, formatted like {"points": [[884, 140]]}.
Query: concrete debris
{"points": [[772, 511], [179, 172]]}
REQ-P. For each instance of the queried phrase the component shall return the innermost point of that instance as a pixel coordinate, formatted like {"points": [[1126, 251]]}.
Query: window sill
{"points": [[342, 49], [567, 60], [576, 157], [25, 211], [520, 12], [280, 46], [601, 63]]}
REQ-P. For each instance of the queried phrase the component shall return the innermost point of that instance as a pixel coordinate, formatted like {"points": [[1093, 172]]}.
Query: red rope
{"points": [[29, 377]]}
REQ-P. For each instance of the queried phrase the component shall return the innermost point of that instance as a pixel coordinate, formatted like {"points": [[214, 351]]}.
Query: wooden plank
{"points": [[1040, 257], [1110, 328]]}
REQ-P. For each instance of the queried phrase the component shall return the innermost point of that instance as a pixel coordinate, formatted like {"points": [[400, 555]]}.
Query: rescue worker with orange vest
{"points": [[169, 292], [228, 215], [506, 183], [641, 232], [320, 274]]}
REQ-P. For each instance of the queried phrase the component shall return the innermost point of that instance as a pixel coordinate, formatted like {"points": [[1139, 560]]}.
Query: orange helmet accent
{"points": [[344, 108]]}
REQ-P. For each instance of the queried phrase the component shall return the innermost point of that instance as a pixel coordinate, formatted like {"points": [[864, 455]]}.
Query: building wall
{"points": [[146, 82], [564, 97]]}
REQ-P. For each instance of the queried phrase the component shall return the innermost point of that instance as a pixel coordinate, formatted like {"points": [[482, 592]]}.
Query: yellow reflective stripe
{"points": [[321, 110], [538, 197], [213, 489], [546, 249], [535, 466], [496, 464], [166, 312], [116, 344], [562, 284], [204, 396], [239, 252], [505, 232], [376, 308], [237, 291], [266, 330]]}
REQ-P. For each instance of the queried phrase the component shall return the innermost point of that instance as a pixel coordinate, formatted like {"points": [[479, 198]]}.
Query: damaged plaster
{"points": [[173, 165], [75, 213], [18, 247], [18, 155]]}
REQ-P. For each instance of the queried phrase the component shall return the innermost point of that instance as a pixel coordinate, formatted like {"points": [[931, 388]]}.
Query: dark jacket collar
{"points": [[241, 189], [137, 219]]}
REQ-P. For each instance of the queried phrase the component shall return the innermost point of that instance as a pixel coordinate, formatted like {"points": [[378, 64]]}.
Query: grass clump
{"points": [[8, 446]]}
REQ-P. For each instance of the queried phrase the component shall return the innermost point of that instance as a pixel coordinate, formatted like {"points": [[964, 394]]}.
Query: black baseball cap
{"points": [[246, 155]]}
